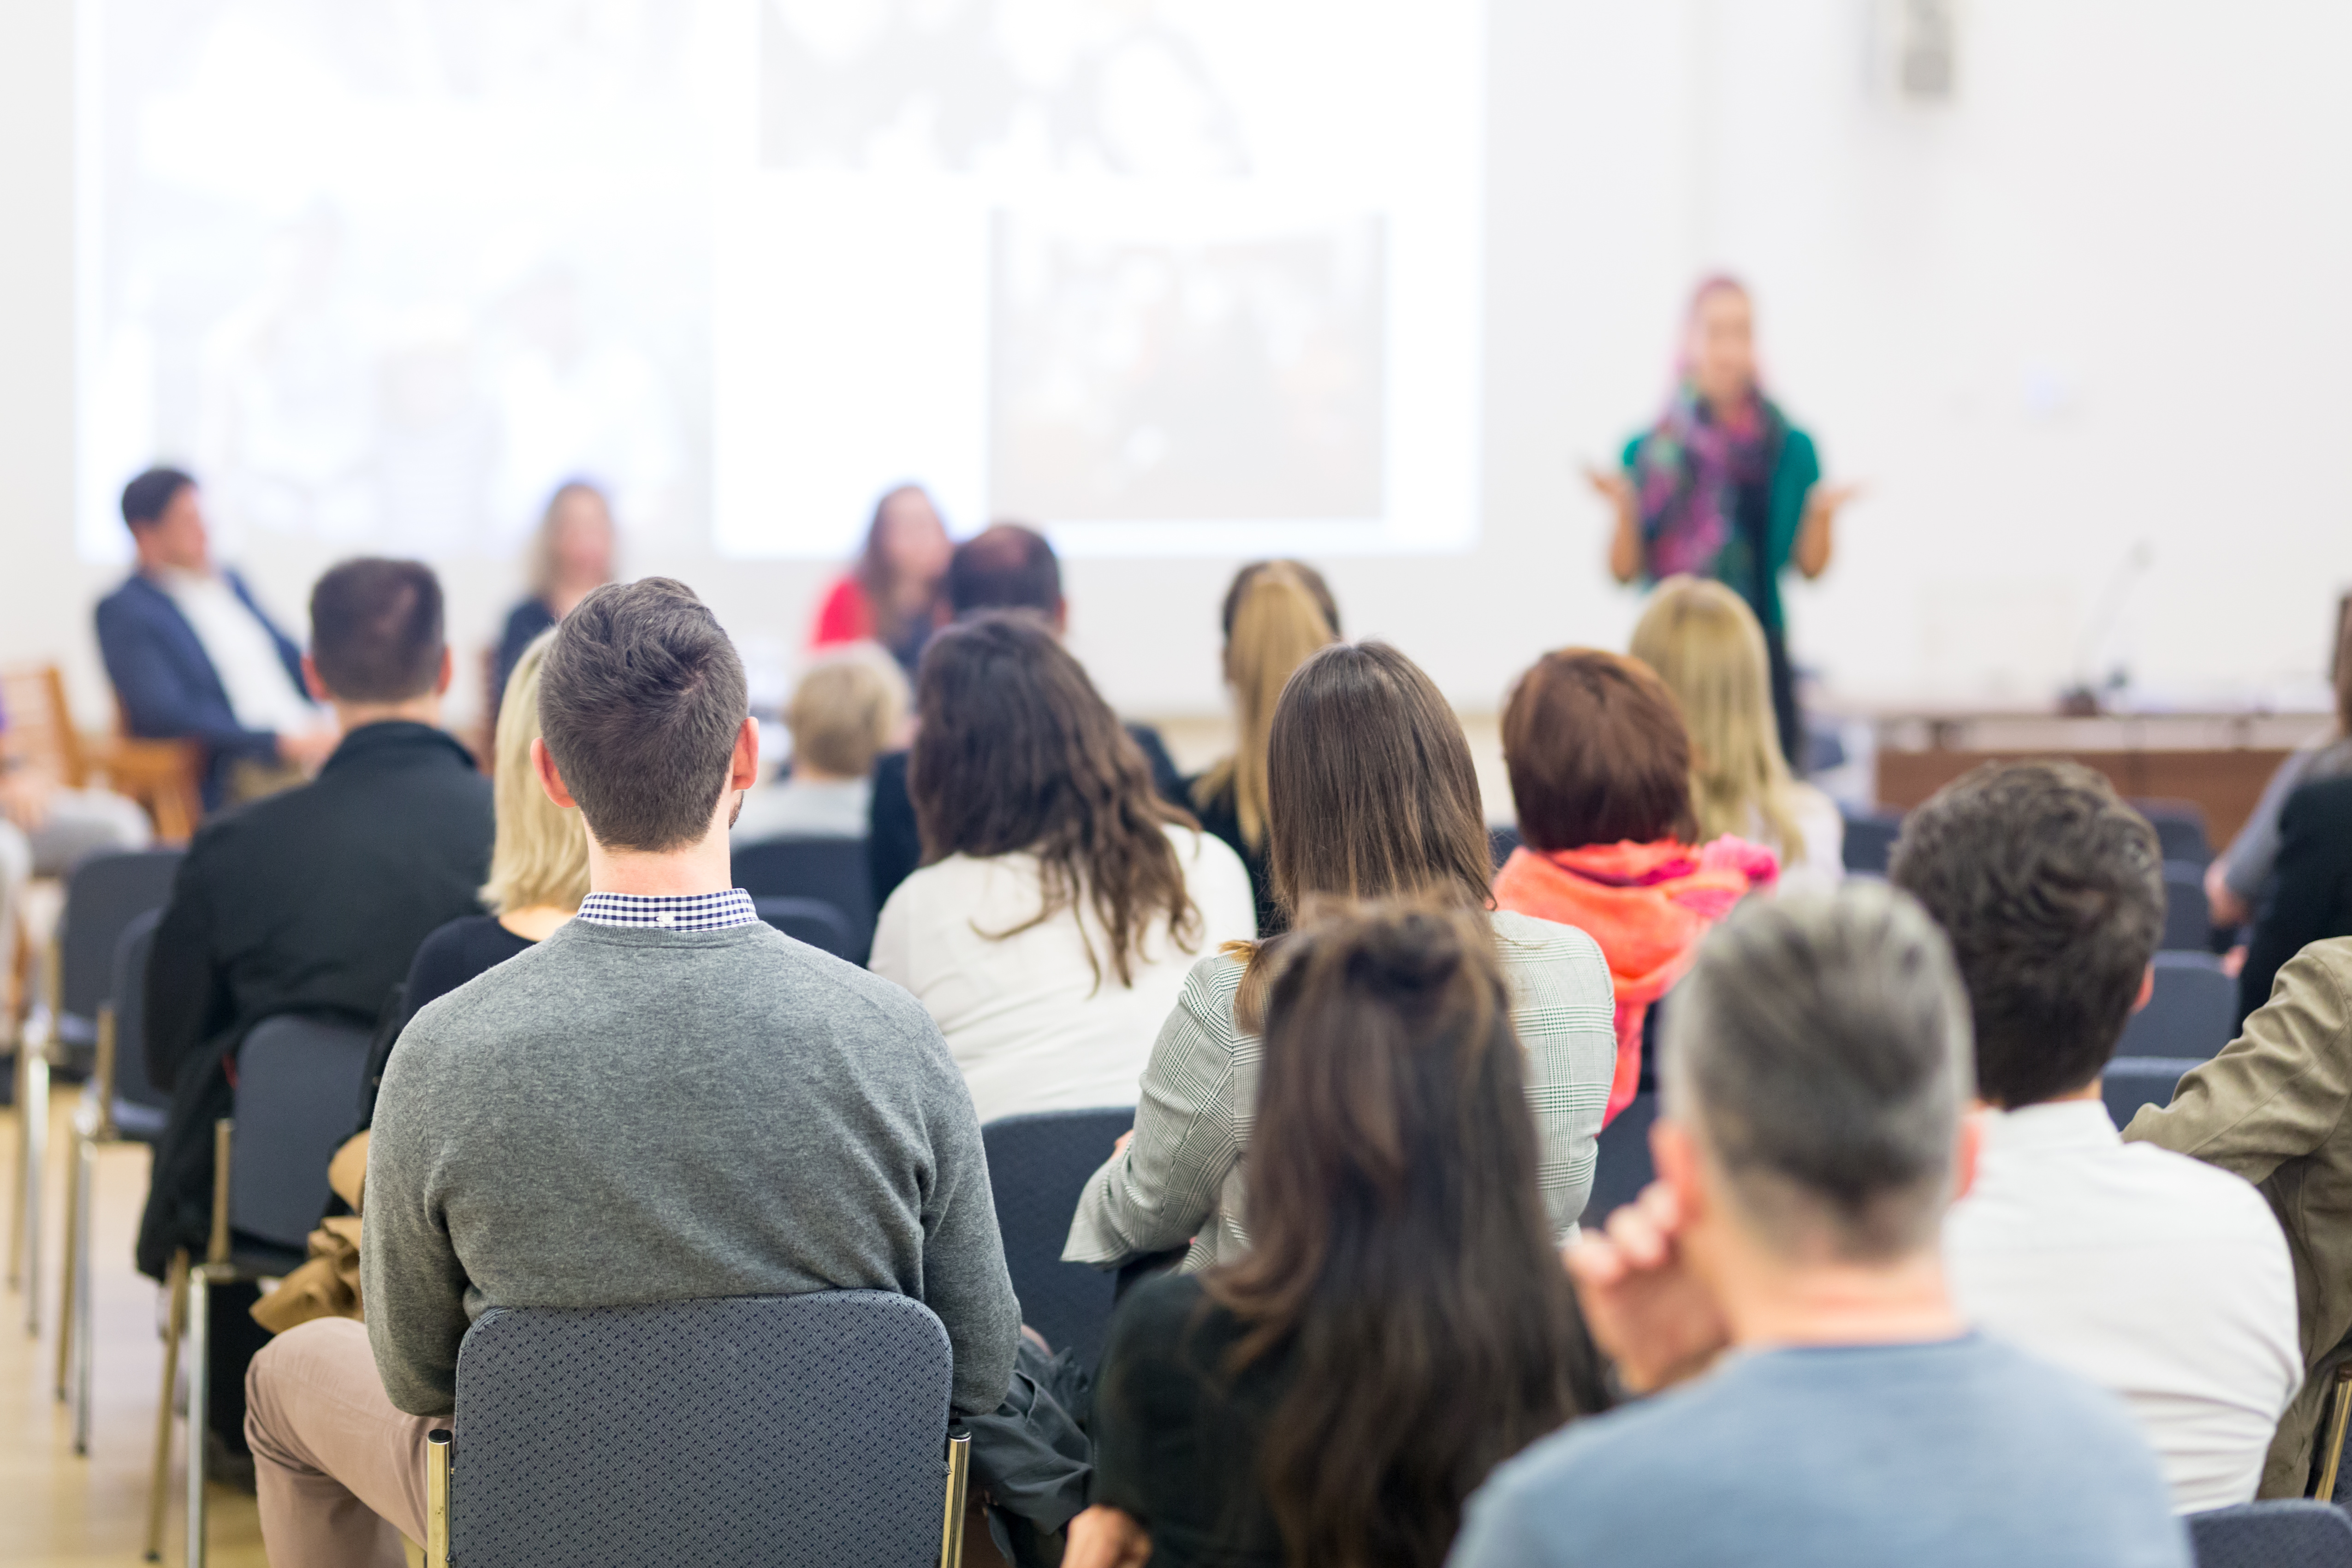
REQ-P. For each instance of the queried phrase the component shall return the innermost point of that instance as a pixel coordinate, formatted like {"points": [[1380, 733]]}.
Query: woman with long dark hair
{"points": [[1402, 1324], [1722, 485], [1369, 795], [891, 595], [1061, 899]]}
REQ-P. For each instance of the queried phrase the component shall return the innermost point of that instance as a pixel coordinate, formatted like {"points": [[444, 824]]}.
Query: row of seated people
{"points": [[632, 1106]]}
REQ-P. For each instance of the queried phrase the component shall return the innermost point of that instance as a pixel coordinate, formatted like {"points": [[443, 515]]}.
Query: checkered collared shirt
{"points": [[692, 911]]}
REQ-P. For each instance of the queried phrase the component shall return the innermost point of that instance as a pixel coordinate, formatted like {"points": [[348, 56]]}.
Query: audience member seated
{"points": [[2157, 1276], [312, 901], [538, 856], [892, 596], [1276, 613], [192, 657], [1815, 1072], [1600, 774], [847, 710], [1369, 795], [2310, 895], [2275, 1108], [1063, 899], [571, 557], [1403, 1323], [1005, 567], [664, 1099], [2240, 875], [1709, 648], [45, 827]]}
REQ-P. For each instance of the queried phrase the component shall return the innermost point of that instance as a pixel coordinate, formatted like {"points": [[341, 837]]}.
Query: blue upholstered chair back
{"points": [[816, 923], [2286, 1534], [2192, 1014], [1621, 1167], [726, 1432], [298, 1098], [104, 893], [830, 870], [1037, 1166], [2188, 914], [2134, 1082], [139, 1107]]}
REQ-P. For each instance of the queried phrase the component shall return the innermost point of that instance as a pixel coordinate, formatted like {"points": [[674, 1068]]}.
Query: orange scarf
{"points": [[1646, 905]]}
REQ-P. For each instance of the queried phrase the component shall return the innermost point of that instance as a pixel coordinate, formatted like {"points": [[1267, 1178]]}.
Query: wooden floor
{"points": [[56, 1507]]}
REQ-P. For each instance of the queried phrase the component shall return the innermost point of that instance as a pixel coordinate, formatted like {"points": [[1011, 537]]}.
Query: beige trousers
{"points": [[339, 1471]]}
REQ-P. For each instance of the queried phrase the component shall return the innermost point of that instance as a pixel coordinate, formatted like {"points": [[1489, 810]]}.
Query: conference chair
{"points": [[164, 776], [104, 894], [2290, 1533], [298, 1090], [832, 871], [2330, 1487], [1621, 1167], [2131, 1082], [816, 923], [1502, 840], [1870, 839], [1037, 1166], [2192, 1013], [118, 1105], [2179, 829], [725, 1433], [2187, 916]]}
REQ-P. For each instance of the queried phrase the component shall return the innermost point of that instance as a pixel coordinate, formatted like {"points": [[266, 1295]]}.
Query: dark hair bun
{"points": [[1417, 953]]}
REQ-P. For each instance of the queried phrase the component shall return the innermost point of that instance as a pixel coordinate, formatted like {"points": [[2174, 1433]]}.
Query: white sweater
{"points": [[1024, 1015]]}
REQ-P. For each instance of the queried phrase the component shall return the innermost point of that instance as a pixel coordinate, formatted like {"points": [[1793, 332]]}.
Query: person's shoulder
{"points": [[1158, 1305], [130, 597], [1603, 1468], [1201, 852], [1537, 946], [2326, 962], [2325, 802]]}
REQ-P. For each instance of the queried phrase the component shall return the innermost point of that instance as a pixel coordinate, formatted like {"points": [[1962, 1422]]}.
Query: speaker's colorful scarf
{"points": [[1687, 474]]}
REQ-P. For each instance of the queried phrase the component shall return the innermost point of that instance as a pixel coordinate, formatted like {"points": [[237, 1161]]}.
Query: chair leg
{"points": [[17, 1184], [34, 1106], [66, 1279], [175, 1319], [200, 1290], [85, 1315], [958, 1490], [439, 1465], [2339, 1415]]}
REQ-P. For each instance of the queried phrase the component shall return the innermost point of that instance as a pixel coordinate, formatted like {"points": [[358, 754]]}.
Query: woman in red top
{"points": [[1600, 767], [891, 595]]}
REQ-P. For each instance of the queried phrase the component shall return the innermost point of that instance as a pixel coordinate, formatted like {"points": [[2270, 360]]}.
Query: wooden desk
{"points": [[2221, 760]]}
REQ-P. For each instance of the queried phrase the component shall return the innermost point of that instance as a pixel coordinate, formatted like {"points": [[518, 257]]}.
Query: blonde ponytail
{"points": [[1276, 623]]}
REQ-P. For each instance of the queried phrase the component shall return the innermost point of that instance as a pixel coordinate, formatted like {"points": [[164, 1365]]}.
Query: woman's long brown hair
{"points": [[1400, 1252], [1017, 751]]}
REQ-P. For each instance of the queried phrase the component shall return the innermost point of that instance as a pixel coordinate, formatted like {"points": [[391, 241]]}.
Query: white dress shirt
{"points": [[2155, 1275], [1024, 1015], [244, 654]]}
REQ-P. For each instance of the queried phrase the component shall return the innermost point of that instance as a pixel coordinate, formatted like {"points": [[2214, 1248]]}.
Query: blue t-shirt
{"points": [[1958, 1454]]}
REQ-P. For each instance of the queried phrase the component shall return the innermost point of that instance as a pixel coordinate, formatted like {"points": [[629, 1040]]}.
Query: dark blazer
{"points": [[311, 902], [166, 682], [2311, 890], [894, 846]]}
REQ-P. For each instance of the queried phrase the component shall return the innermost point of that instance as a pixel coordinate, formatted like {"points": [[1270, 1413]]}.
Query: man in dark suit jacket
{"points": [[2311, 890], [168, 681], [312, 901], [1005, 567]]}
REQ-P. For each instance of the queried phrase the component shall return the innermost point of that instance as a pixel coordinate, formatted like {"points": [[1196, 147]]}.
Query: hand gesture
{"points": [[1647, 1308], [1103, 1537], [1612, 486], [1824, 500]]}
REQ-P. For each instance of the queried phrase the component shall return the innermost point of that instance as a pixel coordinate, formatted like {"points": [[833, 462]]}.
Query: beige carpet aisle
{"points": [[56, 1509]]}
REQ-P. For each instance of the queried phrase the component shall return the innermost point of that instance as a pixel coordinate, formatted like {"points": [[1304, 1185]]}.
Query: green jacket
{"points": [[1793, 477], [2272, 1107]]}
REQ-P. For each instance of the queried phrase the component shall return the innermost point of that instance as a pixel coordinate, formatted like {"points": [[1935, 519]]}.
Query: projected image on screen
{"points": [[1169, 383]]}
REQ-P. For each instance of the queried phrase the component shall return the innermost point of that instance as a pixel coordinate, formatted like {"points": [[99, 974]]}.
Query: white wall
{"points": [[2096, 300]]}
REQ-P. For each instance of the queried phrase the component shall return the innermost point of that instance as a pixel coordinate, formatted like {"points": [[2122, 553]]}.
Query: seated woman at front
{"points": [[1369, 795], [1276, 613], [1061, 899], [1600, 772], [1403, 1323], [572, 556], [847, 710], [1707, 645]]}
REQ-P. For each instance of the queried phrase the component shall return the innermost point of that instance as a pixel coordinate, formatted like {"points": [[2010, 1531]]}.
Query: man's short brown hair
{"points": [[640, 702], [375, 630], [1597, 753]]}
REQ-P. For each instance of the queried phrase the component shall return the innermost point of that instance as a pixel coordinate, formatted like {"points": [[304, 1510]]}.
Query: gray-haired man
{"points": [[1815, 1068]]}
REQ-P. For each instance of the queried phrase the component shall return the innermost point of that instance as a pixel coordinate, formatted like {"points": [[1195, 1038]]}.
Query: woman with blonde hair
{"points": [[1709, 648], [1277, 612], [539, 860]]}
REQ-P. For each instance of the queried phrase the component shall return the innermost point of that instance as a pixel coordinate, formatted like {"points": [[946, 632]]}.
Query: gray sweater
{"points": [[623, 1115]]}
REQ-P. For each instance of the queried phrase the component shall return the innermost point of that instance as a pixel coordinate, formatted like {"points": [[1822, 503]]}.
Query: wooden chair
{"points": [[164, 776]]}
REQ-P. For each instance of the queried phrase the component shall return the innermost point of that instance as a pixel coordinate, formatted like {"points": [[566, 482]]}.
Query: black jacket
{"points": [[311, 902], [894, 846], [2311, 891]]}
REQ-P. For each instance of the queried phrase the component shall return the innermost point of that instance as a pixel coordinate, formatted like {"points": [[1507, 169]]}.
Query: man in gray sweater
{"points": [[665, 1099]]}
